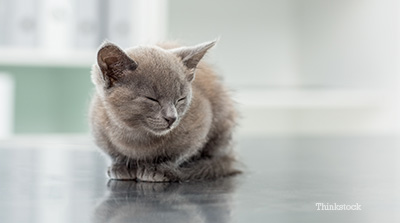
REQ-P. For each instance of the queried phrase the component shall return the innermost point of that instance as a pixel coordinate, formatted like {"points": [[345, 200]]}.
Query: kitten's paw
{"points": [[150, 175], [121, 172]]}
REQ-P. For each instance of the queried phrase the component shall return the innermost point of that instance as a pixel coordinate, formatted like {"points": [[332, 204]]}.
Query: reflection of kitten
{"points": [[130, 201], [157, 119]]}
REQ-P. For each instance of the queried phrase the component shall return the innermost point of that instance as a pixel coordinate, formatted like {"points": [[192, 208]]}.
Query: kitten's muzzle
{"points": [[162, 124], [169, 114]]}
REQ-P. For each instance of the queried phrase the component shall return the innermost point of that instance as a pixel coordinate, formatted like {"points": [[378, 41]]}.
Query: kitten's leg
{"points": [[152, 173], [118, 171], [202, 169], [208, 168], [137, 171]]}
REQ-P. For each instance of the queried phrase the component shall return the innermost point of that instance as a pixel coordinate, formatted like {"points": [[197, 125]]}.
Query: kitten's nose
{"points": [[170, 120]]}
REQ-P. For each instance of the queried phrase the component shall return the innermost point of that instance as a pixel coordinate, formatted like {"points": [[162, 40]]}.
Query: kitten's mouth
{"points": [[159, 128], [168, 128], [160, 131]]}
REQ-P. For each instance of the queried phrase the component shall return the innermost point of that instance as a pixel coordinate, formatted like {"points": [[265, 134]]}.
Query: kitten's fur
{"points": [[157, 118]]}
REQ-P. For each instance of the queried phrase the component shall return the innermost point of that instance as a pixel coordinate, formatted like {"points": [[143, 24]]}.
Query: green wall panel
{"points": [[50, 99]]}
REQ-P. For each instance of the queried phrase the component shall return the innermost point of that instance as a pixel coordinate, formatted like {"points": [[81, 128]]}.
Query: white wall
{"points": [[285, 57]]}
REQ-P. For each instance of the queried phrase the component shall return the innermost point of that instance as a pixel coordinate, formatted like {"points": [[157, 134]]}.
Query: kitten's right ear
{"points": [[112, 62]]}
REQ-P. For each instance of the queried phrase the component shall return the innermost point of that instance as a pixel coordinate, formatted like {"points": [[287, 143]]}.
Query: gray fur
{"points": [[161, 114]]}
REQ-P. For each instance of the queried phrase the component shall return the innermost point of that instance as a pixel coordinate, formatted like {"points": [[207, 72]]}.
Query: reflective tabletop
{"points": [[333, 179]]}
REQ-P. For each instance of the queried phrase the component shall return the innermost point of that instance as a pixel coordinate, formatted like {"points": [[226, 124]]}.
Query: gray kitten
{"points": [[161, 114]]}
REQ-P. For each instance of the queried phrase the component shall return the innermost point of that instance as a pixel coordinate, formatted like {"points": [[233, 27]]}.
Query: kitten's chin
{"points": [[159, 132]]}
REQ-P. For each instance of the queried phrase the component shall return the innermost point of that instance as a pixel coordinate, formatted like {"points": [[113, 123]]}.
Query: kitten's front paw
{"points": [[121, 172], [151, 175]]}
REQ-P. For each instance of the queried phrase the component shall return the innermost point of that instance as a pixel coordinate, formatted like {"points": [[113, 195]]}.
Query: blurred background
{"points": [[309, 67]]}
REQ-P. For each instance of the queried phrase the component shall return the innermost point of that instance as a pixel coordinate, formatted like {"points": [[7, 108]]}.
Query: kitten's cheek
{"points": [[182, 109]]}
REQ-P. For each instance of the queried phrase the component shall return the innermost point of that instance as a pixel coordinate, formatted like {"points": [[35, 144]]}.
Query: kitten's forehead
{"points": [[151, 55], [159, 71], [153, 59]]}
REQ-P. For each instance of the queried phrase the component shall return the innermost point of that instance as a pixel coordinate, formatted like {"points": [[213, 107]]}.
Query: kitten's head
{"points": [[147, 87]]}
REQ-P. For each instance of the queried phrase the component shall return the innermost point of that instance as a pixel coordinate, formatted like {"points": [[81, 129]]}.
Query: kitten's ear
{"points": [[113, 62], [191, 56]]}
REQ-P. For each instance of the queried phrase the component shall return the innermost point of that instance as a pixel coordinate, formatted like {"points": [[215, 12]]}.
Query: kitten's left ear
{"points": [[191, 56]]}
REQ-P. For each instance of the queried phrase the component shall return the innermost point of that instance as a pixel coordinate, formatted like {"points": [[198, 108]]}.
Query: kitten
{"points": [[161, 114]]}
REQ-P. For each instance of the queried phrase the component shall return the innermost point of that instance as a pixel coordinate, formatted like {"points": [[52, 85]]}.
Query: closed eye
{"points": [[152, 99], [182, 99]]}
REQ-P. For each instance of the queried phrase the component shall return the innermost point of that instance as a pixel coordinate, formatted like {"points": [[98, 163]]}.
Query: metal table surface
{"points": [[284, 180]]}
